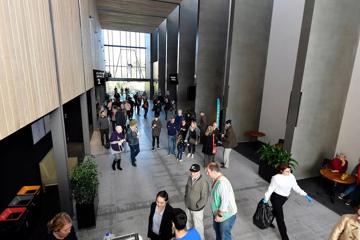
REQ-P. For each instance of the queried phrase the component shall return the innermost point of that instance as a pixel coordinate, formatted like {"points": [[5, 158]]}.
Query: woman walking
{"points": [[160, 219], [209, 146], [116, 141], [192, 138], [278, 193], [133, 140]]}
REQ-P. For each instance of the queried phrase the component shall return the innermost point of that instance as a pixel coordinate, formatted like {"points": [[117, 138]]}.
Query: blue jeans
{"points": [[171, 144], [134, 151], [223, 229], [181, 149], [349, 189]]}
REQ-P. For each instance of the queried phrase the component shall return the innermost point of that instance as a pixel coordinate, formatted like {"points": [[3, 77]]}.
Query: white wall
{"points": [[282, 52], [349, 135]]}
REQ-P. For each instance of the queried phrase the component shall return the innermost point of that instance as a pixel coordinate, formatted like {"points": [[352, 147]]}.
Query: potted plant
{"points": [[84, 184], [271, 158]]}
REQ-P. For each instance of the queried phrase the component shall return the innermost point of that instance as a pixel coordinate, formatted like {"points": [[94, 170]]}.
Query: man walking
{"points": [[229, 142], [171, 128], [223, 205], [196, 196]]}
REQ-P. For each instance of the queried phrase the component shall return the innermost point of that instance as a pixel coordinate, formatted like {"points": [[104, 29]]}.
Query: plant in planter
{"points": [[84, 184], [271, 158]]}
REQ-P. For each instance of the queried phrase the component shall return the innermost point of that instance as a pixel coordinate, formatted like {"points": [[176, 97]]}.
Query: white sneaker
{"points": [[180, 160], [189, 154], [192, 155]]}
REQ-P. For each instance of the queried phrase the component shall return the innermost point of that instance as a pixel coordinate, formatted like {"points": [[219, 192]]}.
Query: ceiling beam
{"points": [[143, 7], [129, 28]]}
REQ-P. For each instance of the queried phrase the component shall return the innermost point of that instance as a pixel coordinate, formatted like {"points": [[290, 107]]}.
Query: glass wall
{"points": [[125, 54]]}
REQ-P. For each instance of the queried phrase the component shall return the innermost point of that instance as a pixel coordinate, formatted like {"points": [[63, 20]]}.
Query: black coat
{"points": [[208, 144], [165, 226]]}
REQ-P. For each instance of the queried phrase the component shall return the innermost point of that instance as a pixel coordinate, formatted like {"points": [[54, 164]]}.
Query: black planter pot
{"points": [[266, 171], [86, 215]]}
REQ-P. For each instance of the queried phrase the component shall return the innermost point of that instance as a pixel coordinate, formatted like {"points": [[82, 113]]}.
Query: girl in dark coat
{"points": [[160, 219]]}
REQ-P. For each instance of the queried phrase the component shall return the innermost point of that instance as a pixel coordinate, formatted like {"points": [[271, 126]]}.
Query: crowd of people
{"points": [[185, 132]]}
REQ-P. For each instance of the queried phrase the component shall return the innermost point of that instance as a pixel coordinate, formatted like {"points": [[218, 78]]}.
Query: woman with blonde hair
{"points": [[209, 145], [60, 227]]}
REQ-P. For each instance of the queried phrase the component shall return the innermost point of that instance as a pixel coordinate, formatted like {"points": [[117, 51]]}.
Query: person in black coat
{"points": [[160, 219], [60, 227], [209, 146]]}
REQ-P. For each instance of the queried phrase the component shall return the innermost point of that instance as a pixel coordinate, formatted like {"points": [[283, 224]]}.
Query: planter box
{"points": [[86, 213], [266, 171]]}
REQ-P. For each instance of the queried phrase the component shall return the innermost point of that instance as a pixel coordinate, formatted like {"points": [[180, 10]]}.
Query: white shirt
{"points": [[228, 203], [282, 185], [157, 218]]}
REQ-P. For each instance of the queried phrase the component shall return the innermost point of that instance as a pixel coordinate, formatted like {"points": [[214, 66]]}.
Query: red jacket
{"points": [[335, 164]]}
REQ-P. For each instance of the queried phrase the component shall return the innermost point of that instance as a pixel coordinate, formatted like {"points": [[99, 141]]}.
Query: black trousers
{"points": [[106, 133], [191, 148], [153, 141], [277, 202]]}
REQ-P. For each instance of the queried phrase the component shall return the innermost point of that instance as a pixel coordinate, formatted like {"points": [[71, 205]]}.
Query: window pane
{"points": [[142, 40], [116, 38]]}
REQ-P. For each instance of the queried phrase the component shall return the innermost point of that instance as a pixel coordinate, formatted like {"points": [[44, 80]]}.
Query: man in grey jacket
{"points": [[196, 196]]}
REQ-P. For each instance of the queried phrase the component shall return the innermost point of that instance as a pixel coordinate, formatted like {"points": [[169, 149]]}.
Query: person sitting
{"points": [[60, 227], [339, 163], [179, 225], [351, 190]]}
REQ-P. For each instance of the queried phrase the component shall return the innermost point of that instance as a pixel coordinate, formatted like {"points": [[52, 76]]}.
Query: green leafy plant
{"points": [[84, 181], [274, 156]]}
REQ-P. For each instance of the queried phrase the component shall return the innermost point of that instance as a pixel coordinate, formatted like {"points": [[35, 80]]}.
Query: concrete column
{"points": [[331, 49], [93, 108], [210, 65], [85, 123], [154, 58], [162, 57], [280, 67], [61, 157], [187, 50], [250, 37], [172, 49]]}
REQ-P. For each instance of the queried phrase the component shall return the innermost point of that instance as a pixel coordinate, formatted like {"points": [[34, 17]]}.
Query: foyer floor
{"points": [[125, 196]]}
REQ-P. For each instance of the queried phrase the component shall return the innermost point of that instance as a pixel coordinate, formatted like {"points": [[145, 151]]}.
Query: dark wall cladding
{"points": [[19, 162], [72, 118]]}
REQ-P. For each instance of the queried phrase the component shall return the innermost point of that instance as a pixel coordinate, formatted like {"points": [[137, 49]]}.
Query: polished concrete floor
{"points": [[125, 196]]}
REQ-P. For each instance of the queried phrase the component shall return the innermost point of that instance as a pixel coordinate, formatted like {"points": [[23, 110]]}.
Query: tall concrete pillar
{"points": [[321, 82], [172, 49], [85, 123], [93, 108], [249, 48], [154, 58], [61, 159], [210, 62], [162, 57], [280, 67], [187, 50]]}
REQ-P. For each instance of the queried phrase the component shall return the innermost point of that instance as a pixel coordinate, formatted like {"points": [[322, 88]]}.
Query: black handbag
{"points": [[263, 216]]}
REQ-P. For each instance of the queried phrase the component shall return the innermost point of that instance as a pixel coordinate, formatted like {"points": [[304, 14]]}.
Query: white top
{"points": [[282, 185], [228, 203], [157, 218]]}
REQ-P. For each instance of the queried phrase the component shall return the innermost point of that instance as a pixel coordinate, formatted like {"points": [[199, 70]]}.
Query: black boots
{"points": [[117, 163]]}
